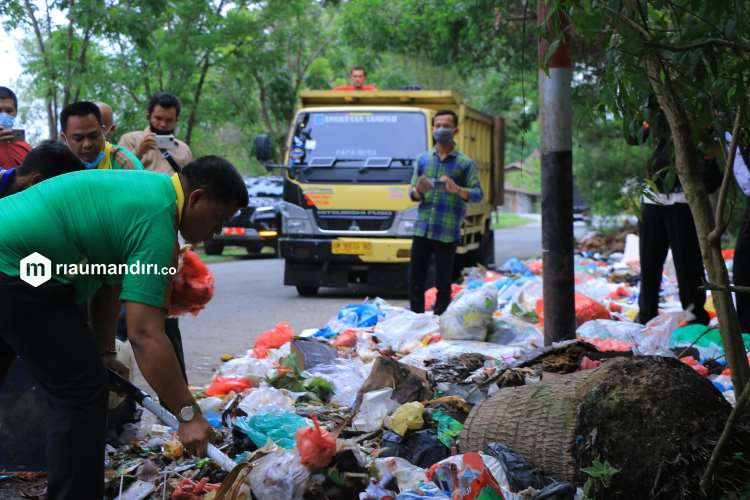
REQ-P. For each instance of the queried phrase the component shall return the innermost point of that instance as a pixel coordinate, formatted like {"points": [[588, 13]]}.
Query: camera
{"points": [[165, 141]]}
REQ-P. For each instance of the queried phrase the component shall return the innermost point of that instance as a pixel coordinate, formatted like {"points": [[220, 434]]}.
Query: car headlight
{"points": [[407, 221], [295, 220]]}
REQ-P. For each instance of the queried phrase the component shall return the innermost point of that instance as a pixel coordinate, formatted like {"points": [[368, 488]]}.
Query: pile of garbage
{"points": [[372, 405]]}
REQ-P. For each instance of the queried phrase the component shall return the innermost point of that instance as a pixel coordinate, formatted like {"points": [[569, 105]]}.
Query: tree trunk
{"points": [[196, 98], [689, 172]]}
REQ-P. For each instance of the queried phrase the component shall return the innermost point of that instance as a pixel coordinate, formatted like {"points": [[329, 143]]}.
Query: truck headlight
{"points": [[263, 213], [407, 221], [295, 220]]}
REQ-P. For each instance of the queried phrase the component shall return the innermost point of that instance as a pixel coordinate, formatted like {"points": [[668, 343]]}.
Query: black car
{"points": [[256, 226]]}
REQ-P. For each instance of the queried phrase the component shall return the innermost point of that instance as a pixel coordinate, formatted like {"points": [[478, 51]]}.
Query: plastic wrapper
{"points": [[448, 428], [465, 477], [398, 330], [346, 375], [469, 317], [425, 489], [224, 385], [449, 348], [610, 329], [247, 367], [407, 417], [266, 399], [408, 475], [511, 331], [279, 475], [280, 427], [316, 446], [191, 288], [375, 407]]}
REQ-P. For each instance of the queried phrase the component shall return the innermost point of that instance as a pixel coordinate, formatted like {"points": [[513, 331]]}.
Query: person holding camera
{"points": [[156, 146], [13, 145]]}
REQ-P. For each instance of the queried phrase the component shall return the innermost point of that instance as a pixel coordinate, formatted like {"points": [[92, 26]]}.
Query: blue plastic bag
{"points": [[280, 427], [515, 266], [359, 315]]}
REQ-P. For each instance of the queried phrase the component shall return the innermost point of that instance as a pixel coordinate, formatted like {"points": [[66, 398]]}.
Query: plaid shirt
{"points": [[440, 212]]}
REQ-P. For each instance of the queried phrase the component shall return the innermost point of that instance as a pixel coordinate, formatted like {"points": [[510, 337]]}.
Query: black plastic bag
{"points": [[420, 448]]}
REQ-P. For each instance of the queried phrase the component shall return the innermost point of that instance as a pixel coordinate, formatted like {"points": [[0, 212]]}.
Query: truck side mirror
{"points": [[263, 150]]}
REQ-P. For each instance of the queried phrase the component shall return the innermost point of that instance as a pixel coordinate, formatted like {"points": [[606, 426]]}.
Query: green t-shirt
{"points": [[105, 217]]}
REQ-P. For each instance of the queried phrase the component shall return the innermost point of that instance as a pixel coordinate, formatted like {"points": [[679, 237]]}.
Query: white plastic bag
{"points": [[657, 334], [449, 348], [375, 407], [469, 317], [247, 367], [347, 377], [608, 329], [407, 474], [405, 327], [279, 475], [511, 331], [266, 399]]}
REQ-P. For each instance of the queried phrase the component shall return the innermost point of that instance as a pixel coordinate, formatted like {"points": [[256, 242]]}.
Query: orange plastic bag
{"points": [[586, 309], [187, 489], [272, 339], [224, 385], [347, 338], [316, 447], [192, 287], [430, 296]]}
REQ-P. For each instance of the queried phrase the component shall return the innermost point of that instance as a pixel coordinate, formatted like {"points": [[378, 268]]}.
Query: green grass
{"points": [[507, 220]]}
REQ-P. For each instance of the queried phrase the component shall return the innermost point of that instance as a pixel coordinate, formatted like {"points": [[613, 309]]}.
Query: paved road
{"points": [[251, 298]]}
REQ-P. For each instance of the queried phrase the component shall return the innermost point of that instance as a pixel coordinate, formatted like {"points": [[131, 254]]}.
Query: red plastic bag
{"points": [[586, 309], [728, 253], [192, 287], [188, 489], [347, 338], [272, 339], [430, 296], [224, 385], [316, 447], [695, 365]]}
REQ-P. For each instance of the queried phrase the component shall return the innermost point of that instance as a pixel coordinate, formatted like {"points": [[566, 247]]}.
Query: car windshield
{"points": [[335, 143]]}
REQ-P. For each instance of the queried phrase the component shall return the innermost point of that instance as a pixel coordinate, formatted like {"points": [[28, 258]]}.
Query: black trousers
{"points": [[49, 332], [421, 251], [741, 270], [663, 227]]}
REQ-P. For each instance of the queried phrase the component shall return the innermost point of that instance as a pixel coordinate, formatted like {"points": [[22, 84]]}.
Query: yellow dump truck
{"points": [[349, 159]]}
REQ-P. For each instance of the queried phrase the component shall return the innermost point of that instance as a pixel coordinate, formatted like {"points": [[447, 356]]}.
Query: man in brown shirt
{"points": [[163, 112]]}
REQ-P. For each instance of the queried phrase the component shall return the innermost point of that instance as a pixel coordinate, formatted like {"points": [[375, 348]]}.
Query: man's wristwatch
{"points": [[188, 413]]}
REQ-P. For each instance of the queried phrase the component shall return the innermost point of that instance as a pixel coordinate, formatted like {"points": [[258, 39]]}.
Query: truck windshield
{"points": [[345, 141]]}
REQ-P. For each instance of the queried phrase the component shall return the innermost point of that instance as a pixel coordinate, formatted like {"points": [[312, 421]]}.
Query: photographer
{"points": [[13, 146], [156, 146]]}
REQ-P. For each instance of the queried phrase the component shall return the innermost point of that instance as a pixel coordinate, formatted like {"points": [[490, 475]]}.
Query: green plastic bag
{"points": [[280, 427], [448, 428]]}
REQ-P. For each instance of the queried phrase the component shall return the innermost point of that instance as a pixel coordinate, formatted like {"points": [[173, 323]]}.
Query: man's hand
{"points": [[147, 143], [450, 184], [6, 135], [110, 361], [194, 435], [423, 185]]}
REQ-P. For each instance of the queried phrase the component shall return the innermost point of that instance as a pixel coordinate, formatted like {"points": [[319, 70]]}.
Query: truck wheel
{"points": [[213, 248], [307, 291]]}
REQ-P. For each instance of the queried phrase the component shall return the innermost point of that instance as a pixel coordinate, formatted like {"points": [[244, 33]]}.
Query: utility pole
{"points": [[557, 181]]}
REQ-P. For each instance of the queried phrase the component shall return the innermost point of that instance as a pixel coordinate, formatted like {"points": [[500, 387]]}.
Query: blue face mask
{"points": [[90, 165], [6, 120]]}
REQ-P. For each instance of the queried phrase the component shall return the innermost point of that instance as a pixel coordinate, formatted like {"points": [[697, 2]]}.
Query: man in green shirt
{"points": [[57, 239], [83, 131]]}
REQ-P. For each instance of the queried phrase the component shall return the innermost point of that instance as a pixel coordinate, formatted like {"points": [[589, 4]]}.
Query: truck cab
{"points": [[347, 217]]}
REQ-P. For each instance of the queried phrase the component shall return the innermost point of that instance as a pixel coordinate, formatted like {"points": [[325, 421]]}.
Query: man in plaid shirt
{"points": [[444, 180]]}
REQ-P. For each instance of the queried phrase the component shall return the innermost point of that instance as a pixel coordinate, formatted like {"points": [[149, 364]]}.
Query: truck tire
{"points": [[213, 248], [307, 291]]}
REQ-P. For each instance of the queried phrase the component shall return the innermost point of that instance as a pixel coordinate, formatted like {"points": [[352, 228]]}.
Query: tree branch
{"points": [[630, 22], [700, 44], [720, 224]]}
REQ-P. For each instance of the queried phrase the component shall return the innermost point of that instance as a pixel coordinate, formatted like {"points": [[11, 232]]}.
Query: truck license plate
{"points": [[351, 247]]}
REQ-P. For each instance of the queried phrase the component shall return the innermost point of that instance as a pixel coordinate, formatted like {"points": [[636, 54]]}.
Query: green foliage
{"points": [[600, 475]]}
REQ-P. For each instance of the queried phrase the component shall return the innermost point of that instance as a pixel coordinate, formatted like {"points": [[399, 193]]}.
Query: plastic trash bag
{"points": [[272, 339], [587, 309], [511, 331], [657, 334], [316, 446], [421, 448], [359, 315], [514, 266], [346, 375], [465, 477], [407, 474], [407, 417], [610, 329], [448, 428], [376, 406], [469, 317], [426, 489], [224, 385], [192, 287], [280, 427], [266, 399], [247, 367], [400, 329], [279, 475], [448, 348]]}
